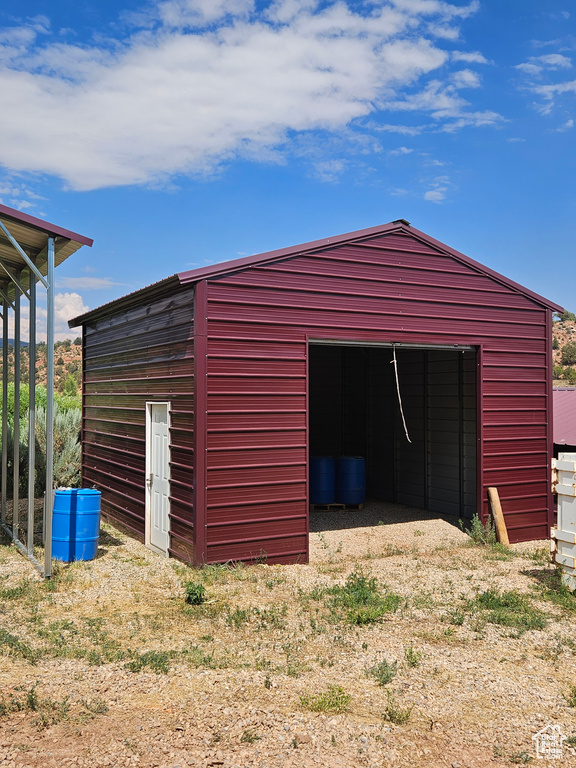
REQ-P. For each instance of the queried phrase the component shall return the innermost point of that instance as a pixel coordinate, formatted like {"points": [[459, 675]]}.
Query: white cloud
{"points": [[543, 78], [16, 194], [329, 170], [407, 130], [445, 105], [439, 188], [472, 57], [192, 13], [436, 195], [85, 283], [205, 81], [535, 65], [401, 151], [66, 306], [550, 93], [466, 78], [567, 126]]}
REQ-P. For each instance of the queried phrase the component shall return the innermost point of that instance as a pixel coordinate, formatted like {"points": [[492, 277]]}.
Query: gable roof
{"points": [[399, 227]]}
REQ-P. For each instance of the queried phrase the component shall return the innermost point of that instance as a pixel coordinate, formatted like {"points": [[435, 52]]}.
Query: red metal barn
{"points": [[205, 394]]}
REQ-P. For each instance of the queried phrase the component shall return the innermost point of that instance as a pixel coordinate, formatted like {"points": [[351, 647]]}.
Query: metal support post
{"points": [[31, 416], [4, 406], [16, 429], [49, 503]]}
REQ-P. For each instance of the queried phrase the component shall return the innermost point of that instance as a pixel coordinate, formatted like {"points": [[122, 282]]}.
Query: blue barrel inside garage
{"points": [[351, 480], [75, 524], [322, 479]]}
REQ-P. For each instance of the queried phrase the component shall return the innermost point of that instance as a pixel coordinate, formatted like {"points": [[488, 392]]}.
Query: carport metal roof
{"points": [[30, 250]]}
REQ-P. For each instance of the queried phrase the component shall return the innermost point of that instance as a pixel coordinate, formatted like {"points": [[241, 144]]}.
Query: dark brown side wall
{"points": [[137, 355], [393, 288]]}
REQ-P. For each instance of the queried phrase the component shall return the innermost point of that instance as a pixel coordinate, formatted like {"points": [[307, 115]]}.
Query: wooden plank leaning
{"points": [[498, 516]]}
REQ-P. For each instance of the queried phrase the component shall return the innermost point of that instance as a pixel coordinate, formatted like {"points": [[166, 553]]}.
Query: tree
{"points": [[570, 376], [566, 316], [69, 387], [555, 343], [569, 353], [78, 341]]}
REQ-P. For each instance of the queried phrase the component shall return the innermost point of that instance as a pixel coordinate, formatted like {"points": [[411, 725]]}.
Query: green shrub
{"points": [[384, 672], [570, 376], [67, 449], [568, 354], [484, 535], [195, 593]]}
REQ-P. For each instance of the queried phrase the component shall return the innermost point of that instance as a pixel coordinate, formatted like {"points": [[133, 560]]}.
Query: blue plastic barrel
{"points": [[75, 524], [322, 479], [351, 480]]}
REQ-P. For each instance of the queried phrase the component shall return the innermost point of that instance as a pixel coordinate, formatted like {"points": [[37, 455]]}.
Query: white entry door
{"points": [[158, 477]]}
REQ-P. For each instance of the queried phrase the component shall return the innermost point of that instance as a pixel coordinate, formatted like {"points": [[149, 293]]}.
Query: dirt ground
{"points": [[107, 665]]}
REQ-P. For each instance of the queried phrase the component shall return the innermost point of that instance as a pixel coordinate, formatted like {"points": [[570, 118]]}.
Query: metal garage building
{"points": [[205, 394]]}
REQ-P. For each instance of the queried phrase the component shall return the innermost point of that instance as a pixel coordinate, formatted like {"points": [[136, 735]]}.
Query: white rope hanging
{"points": [[395, 363]]}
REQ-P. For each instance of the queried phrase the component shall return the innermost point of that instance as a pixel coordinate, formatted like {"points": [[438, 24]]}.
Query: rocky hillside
{"points": [[564, 349], [67, 365]]}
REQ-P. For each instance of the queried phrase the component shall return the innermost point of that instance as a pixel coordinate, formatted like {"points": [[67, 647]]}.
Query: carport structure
{"points": [[30, 250]]}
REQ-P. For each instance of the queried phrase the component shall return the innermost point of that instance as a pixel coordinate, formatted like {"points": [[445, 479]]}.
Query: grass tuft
{"points": [[570, 697], [157, 661], [361, 600], [335, 699], [396, 714], [413, 658], [509, 609], [13, 646], [384, 672]]}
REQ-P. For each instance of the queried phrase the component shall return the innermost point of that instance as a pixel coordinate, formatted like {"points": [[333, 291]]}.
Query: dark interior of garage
{"points": [[354, 410]]}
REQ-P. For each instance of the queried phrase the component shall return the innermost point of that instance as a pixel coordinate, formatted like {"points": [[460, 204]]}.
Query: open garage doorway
{"points": [[421, 472]]}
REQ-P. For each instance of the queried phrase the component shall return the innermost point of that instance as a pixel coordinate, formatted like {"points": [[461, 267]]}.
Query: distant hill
{"points": [[67, 362], [11, 343]]}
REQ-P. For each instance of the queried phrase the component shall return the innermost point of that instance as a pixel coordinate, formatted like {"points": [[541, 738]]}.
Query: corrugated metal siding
{"points": [[392, 288], [141, 354]]}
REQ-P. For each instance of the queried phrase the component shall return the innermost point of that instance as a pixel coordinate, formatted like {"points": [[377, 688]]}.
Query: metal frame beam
{"points": [[24, 255], [14, 306]]}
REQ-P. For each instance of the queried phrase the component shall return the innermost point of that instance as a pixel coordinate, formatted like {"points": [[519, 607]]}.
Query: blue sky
{"points": [[179, 133]]}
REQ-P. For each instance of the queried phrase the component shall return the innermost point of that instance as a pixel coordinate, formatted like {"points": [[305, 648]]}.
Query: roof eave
{"points": [[44, 226], [124, 302]]}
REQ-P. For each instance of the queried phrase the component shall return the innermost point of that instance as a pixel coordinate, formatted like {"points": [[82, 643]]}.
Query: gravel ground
{"points": [[107, 665]]}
